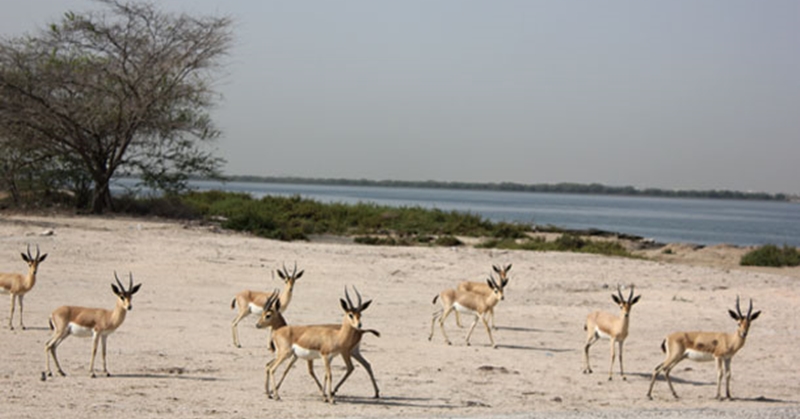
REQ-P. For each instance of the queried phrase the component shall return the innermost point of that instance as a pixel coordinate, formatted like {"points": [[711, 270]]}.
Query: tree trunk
{"points": [[101, 197]]}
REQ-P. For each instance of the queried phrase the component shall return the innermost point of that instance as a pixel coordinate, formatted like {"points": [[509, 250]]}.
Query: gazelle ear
{"points": [[504, 282], [365, 305], [115, 289], [755, 315], [277, 304], [41, 259], [734, 315], [135, 288], [616, 299], [508, 268], [496, 268], [280, 274], [299, 274], [635, 299], [25, 257], [344, 304], [491, 284]]}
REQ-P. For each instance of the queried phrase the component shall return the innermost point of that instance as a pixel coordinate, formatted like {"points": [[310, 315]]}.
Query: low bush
{"points": [[448, 241], [564, 243], [771, 255], [292, 218]]}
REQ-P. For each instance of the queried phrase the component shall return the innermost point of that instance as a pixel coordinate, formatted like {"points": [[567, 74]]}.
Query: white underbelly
{"points": [[80, 331], [699, 356], [255, 308], [601, 333], [304, 353], [463, 310]]}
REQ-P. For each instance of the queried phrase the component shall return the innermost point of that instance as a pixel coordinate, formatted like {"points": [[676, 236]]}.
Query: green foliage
{"points": [[448, 241], [295, 218], [564, 243], [771, 255]]}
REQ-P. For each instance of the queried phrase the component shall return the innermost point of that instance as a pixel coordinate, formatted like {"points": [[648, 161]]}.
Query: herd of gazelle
{"points": [[326, 341]]}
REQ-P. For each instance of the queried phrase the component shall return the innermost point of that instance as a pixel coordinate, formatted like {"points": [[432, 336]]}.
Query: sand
{"points": [[173, 356]]}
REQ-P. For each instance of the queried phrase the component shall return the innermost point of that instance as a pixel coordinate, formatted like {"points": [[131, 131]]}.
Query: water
{"points": [[666, 220]]}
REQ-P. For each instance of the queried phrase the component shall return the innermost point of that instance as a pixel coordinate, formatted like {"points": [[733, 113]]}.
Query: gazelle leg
{"points": [[458, 320], [52, 345], [471, 328], [491, 313], [11, 315], [613, 355], [349, 364], [95, 341], [489, 331], [668, 370], [314, 376], [105, 366], [718, 362], [279, 358], [356, 354], [286, 371], [21, 325], [242, 314], [328, 383], [621, 370], [657, 370], [592, 338], [727, 364], [441, 323], [435, 316], [267, 366]]}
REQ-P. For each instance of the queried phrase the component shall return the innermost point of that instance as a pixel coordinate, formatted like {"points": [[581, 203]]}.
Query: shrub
{"points": [[448, 241], [565, 243], [771, 255]]}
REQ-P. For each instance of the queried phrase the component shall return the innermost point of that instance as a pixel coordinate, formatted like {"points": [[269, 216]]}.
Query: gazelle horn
{"points": [[358, 294], [121, 287], [347, 296], [738, 310]]}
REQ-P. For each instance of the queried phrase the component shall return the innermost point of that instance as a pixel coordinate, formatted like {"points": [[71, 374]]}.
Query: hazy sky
{"points": [[688, 94]]}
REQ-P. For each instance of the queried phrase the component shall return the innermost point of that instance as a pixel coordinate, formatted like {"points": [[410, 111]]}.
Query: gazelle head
{"points": [[33, 262], [497, 289], [744, 321], [124, 295], [353, 311], [625, 305], [269, 313], [502, 271], [290, 278]]}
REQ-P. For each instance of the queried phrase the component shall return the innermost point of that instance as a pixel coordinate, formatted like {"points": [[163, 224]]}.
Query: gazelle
{"points": [[468, 302], [482, 288], [706, 346], [253, 301], [319, 341], [271, 317], [84, 322], [604, 325], [18, 285]]}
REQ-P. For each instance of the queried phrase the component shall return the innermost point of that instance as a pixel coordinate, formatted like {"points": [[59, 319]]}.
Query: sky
{"points": [[679, 94]]}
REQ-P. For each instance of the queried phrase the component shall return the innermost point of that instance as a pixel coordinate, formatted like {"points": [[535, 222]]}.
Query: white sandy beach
{"points": [[173, 357]]}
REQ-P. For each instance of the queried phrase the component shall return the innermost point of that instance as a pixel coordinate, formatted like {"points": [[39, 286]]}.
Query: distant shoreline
{"points": [[565, 188]]}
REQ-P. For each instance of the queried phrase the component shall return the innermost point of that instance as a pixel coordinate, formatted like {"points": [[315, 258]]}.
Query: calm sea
{"points": [[700, 221]]}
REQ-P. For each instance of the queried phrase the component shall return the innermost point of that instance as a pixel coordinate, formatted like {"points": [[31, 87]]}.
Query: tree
{"points": [[123, 90]]}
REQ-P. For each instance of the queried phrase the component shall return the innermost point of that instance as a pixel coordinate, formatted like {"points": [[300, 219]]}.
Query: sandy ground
{"points": [[173, 356]]}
